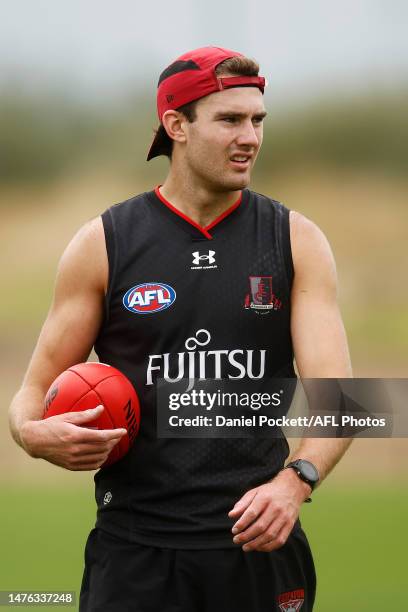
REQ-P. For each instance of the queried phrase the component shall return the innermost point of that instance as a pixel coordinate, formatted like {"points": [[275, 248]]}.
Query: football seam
{"points": [[73, 409], [93, 388], [107, 412], [116, 448], [76, 401], [79, 399], [87, 382]]}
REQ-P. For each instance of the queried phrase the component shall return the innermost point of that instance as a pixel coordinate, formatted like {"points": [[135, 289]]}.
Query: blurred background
{"points": [[77, 114]]}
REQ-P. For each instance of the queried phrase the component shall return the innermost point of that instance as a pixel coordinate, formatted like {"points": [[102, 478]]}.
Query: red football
{"points": [[87, 385]]}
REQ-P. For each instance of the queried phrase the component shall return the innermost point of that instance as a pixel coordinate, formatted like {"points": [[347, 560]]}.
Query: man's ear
{"points": [[173, 122]]}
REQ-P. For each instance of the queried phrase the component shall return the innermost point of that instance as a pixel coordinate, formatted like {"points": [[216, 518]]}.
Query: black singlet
{"points": [[232, 281]]}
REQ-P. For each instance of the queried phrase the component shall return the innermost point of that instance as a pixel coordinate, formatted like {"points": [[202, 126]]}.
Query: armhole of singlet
{"points": [[286, 246], [111, 250], [286, 251]]}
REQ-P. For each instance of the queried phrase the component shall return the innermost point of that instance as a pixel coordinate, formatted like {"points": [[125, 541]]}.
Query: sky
{"points": [[100, 49]]}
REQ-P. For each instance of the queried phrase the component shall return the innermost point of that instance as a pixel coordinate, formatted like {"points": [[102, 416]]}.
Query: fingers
{"points": [[265, 528], [85, 450], [82, 416], [277, 542], [251, 513], [89, 462], [265, 520], [86, 456], [65, 440], [95, 436], [88, 434], [242, 504], [262, 535], [77, 450]]}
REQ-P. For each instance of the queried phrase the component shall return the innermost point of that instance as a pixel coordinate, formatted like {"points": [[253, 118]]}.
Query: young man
{"points": [[245, 287]]}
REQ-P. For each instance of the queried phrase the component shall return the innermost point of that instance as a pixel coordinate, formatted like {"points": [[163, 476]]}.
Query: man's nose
{"points": [[248, 135]]}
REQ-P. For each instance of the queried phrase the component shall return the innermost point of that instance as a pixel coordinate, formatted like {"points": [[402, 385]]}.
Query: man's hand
{"points": [[268, 513], [65, 440]]}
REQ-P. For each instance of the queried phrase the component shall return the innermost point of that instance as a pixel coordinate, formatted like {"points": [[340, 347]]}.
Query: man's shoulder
{"points": [[132, 203], [311, 251], [304, 230], [265, 200]]}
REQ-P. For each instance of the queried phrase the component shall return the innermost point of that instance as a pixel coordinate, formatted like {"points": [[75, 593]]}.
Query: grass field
{"points": [[358, 538]]}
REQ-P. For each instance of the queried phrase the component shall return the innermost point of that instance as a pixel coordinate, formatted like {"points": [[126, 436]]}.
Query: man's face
{"points": [[223, 142]]}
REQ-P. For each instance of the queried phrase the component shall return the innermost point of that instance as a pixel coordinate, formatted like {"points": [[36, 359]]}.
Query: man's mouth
{"points": [[240, 160]]}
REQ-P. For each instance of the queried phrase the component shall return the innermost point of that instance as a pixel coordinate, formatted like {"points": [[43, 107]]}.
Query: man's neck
{"points": [[196, 201]]}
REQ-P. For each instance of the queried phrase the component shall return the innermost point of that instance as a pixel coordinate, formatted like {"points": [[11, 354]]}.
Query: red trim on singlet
{"points": [[225, 213], [203, 230]]}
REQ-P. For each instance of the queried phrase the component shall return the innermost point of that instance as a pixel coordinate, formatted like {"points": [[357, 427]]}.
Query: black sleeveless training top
{"points": [[188, 300]]}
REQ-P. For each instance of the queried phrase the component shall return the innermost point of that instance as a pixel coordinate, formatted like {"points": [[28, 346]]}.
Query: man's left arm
{"points": [[266, 514]]}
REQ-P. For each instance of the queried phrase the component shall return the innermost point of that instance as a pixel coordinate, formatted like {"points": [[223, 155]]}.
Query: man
{"points": [[200, 278]]}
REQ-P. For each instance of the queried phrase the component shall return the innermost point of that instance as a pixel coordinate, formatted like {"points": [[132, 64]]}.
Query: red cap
{"points": [[192, 76]]}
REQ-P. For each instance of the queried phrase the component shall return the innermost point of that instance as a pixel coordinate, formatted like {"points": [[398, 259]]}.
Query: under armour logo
{"points": [[197, 257]]}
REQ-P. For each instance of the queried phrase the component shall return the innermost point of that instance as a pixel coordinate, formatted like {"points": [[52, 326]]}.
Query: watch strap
{"points": [[296, 466]]}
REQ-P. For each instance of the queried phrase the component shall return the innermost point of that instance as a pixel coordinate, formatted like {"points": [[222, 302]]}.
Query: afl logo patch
{"points": [[148, 298]]}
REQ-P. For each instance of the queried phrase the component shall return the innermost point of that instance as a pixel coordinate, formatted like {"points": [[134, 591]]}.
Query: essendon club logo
{"points": [[291, 601], [261, 297]]}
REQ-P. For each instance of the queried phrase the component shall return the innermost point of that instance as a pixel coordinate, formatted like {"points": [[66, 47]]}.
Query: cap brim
{"points": [[160, 144]]}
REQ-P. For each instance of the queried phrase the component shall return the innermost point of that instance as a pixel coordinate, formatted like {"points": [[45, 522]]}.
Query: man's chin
{"points": [[238, 182], [229, 182]]}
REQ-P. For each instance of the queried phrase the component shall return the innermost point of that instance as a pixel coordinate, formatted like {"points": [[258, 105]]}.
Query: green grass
{"points": [[43, 536], [358, 538], [381, 330]]}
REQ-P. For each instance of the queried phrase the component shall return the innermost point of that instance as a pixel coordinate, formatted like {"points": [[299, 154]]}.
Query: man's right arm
{"points": [[67, 338]]}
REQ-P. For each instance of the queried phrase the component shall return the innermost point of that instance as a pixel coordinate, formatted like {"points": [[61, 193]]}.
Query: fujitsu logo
{"points": [[197, 258], [197, 363]]}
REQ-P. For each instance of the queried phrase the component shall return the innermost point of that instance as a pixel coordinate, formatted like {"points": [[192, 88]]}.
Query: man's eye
{"points": [[229, 119]]}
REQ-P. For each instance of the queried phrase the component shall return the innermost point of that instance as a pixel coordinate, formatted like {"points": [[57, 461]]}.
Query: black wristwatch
{"points": [[306, 472]]}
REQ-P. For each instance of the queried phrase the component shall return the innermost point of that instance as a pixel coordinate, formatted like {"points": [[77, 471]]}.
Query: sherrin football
{"points": [[86, 385]]}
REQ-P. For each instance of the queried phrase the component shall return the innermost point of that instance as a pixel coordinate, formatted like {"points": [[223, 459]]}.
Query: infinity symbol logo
{"points": [[193, 342]]}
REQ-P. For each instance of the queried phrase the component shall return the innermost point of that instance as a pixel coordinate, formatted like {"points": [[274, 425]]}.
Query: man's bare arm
{"points": [[66, 338], [317, 323], [266, 514]]}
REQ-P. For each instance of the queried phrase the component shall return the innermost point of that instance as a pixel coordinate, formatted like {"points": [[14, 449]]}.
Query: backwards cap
{"points": [[191, 77]]}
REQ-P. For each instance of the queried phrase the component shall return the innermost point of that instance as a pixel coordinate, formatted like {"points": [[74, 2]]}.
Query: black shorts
{"points": [[125, 577]]}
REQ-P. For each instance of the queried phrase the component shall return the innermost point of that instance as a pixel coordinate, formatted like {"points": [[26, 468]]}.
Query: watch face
{"points": [[309, 471]]}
